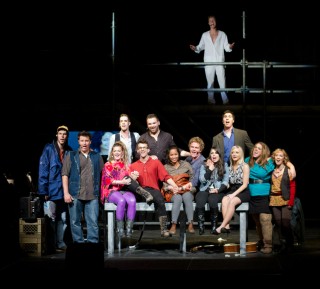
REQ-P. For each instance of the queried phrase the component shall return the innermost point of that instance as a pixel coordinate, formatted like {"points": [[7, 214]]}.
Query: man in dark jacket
{"points": [[230, 137], [50, 188]]}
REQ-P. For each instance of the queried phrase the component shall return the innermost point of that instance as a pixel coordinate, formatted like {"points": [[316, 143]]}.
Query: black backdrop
{"points": [[60, 71]]}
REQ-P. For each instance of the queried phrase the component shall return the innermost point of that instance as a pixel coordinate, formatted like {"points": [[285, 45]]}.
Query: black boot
{"points": [[201, 220], [214, 219]]}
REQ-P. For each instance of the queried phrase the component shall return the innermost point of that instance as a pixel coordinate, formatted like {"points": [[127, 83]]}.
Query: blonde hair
{"points": [[241, 154], [285, 155], [125, 157]]}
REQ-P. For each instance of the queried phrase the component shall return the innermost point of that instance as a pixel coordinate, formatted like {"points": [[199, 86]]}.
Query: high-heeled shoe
{"points": [[215, 232], [225, 230]]}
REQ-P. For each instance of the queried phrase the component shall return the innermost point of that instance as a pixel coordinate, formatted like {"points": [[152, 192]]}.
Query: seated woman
{"points": [[238, 191], [214, 181], [179, 170], [117, 187], [112, 181]]}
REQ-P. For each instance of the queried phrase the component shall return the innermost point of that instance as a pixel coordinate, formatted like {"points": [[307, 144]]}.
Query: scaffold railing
{"points": [[244, 64]]}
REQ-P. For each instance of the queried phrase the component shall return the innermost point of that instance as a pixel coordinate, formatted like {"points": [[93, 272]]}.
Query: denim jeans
{"points": [[90, 209]]}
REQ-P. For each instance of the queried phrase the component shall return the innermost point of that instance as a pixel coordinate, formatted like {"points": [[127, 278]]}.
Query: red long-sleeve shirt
{"points": [[150, 173]]}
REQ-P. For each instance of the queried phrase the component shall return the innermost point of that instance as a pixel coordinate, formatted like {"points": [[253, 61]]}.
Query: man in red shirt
{"points": [[149, 172]]}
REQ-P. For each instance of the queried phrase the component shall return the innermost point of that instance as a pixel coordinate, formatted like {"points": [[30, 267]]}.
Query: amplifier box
{"points": [[30, 207]]}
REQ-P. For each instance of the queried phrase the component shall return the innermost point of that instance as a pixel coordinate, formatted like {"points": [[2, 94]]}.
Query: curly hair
{"points": [[197, 140]]}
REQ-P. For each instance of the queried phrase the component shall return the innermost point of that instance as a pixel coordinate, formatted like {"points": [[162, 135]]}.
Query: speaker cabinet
{"points": [[83, 256]]}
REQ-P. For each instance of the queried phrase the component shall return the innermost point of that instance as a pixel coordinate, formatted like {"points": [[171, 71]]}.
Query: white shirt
{"points": [[213, 52], [126, 141]]}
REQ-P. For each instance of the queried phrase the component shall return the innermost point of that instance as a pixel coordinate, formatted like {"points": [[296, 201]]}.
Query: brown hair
{"points": [[229, 111], [124, 114], [152, 115], [263, 159], [142, 141], [85, 134]]}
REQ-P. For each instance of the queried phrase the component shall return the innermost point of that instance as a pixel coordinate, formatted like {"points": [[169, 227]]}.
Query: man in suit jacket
{"points": [[231, 136]]}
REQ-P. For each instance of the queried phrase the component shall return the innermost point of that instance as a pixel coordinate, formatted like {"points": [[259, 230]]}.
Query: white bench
{"points": [[110, 210]]}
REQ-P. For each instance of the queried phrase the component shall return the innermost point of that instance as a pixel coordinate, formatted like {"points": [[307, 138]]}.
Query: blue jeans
{"points": [[90, 209]]}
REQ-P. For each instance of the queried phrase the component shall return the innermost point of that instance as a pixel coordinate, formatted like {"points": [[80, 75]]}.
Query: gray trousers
{"points": [[177, 200]]}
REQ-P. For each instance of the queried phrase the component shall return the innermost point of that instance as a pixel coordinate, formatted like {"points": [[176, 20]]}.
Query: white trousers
{"points": [[211, 71]]}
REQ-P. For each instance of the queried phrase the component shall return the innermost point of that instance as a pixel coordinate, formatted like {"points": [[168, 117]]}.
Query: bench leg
{"points": [[183, 236], [243, 232], [111, 232], [184, 245], [105, 242]]}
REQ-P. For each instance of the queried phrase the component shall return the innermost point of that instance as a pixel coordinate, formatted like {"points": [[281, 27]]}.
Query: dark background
{"points": [[60, 70]]}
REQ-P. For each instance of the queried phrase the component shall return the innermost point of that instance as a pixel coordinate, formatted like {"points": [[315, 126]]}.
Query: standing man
{"points": [[230, 137], [81, 175], [214, 42], [126, 136], [50, 188], [149, 172], [159, 141]]}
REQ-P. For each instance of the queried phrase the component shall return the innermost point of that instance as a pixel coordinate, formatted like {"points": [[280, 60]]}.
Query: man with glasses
{"points": [[149, 172]]}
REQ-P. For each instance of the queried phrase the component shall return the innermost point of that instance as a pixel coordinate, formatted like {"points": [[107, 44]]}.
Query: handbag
{"points": [[180, 180]]}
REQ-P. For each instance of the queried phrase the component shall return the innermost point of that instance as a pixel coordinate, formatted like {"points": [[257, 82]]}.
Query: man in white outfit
{"points": [[214, 42]]}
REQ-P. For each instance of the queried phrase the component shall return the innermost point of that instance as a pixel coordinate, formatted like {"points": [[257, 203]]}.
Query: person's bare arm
{"points": [[65, 183], [292, 170], [184, 153]]}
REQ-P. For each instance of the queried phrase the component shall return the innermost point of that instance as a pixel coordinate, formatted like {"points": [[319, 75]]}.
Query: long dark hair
{"points": [[220, 163]]}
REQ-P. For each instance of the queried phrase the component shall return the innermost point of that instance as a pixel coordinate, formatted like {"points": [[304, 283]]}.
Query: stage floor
{"points": [[204, 253]]}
